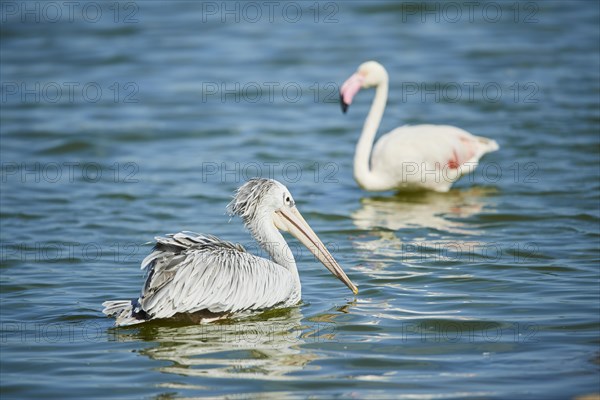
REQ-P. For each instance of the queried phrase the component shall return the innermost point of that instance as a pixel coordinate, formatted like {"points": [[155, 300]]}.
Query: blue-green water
{"points": [[123, 121]]}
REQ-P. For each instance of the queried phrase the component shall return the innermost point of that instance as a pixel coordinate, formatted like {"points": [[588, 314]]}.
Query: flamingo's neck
{"points": [[362, 170]]}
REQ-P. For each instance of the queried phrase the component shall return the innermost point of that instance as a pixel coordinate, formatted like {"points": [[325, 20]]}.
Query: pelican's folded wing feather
{"points": [[189, 272]]}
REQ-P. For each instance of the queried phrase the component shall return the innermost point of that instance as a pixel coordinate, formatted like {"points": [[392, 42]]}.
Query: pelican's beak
{"points": [[349, 90], [295, 224]]}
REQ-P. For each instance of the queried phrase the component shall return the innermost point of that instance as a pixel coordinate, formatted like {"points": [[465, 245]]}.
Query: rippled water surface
{"points": [[143, 117]]}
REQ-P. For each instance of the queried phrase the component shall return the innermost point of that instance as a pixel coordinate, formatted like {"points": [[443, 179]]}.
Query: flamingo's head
{"points": [[369, 74]]}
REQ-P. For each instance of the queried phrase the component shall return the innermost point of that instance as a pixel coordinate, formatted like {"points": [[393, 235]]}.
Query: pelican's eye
{"points": [[288, 200]]}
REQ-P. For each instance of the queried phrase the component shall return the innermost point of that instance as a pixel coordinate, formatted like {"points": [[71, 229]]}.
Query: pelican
{"points": [[202, 275], [417, 157]]}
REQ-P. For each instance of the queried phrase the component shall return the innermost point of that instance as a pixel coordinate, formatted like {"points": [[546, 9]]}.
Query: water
{"points": [[142, 120]]}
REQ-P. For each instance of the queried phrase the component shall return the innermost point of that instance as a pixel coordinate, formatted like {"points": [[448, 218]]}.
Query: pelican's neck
{"points": [[272, 241], [362, 169]]}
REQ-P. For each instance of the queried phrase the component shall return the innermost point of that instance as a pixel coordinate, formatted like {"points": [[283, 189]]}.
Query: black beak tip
{"points": [[343, 104]]}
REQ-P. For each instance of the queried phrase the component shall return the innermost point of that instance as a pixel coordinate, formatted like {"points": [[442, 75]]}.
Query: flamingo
{"points": [[417, 157], [203, 276]]}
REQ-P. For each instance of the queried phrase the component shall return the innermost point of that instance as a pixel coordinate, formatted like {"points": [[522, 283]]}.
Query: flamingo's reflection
{"points": [[414, 239], [441, 211], [434, 219]]}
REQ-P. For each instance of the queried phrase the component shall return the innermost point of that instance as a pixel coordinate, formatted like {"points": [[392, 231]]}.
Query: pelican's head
{"points": [[369, 74], [267, 200]]}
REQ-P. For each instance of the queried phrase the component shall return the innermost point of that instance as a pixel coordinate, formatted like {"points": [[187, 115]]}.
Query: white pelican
{"points": [[409, 157], [209, 278]]}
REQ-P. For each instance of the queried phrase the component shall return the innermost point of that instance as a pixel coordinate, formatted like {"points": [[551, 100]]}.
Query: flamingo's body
{"points": [[415, 157], [209, 278]]}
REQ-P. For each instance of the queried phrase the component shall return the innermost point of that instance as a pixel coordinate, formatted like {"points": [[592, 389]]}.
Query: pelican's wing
{"points": [[189, 272]]}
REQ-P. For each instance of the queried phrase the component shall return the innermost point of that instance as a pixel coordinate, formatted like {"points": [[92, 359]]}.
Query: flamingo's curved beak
{"points": [[349, 90], [290, 220]]}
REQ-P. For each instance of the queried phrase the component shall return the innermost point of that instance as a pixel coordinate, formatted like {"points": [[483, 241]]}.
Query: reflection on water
{"points": [[422, 209], [437, 221], [265, 346]]}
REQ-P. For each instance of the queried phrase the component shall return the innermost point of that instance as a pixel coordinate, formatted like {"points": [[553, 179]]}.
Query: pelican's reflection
{"points": [[265, 346]]}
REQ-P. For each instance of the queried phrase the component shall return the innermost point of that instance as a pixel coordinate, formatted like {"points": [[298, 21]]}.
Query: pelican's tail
{"points": [[122, 310]]}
